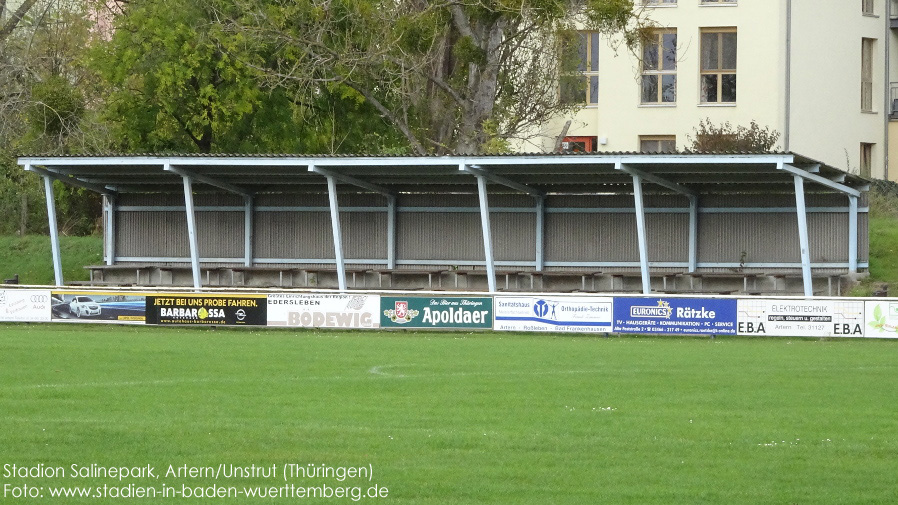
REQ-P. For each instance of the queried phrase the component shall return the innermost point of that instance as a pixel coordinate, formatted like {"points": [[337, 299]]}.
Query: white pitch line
{"points": [[380, 371]]}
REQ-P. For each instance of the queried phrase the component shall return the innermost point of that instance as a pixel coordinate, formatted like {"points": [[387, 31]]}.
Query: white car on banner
{"points": [[801, 318], [25, 305], [82, 306], [324, 310], [548, 313]]}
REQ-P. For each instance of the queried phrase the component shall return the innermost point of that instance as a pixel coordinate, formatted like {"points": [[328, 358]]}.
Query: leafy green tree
{"points": [[178, 84], [44, 109], [449, 76]]}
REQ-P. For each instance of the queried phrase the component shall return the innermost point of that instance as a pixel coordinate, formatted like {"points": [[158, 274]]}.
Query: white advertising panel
{"points": [[324, 310], [25, 305], [546, 313], [801, 318], [882, 319]]}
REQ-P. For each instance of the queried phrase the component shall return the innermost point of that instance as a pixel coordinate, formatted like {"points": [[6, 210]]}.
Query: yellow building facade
{"points": [[816, 72]]}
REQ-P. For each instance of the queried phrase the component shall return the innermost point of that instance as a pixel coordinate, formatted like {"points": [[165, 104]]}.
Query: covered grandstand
{"points": [[690, 222]]}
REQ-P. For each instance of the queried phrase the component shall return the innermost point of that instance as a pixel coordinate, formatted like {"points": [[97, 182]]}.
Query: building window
{"points": [[717, 2], [866, 159], [579, 144], [657, 143], [584, 86], [718, 73], [867, 7], [867, 74], [659, 68], [659, 2]]}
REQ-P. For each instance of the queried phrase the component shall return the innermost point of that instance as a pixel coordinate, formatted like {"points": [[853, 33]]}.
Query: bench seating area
{"points": [[453, 278]]}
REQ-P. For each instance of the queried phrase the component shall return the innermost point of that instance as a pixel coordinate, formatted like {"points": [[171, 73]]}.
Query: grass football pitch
{"points": [[444, 418]]}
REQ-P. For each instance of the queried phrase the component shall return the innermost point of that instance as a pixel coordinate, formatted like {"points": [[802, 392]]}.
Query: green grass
{"points": [[461, 418], [884, 250], [30, 257]]}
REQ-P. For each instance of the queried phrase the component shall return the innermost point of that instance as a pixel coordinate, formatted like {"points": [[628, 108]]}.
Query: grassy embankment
{"points": [[30, 258]]}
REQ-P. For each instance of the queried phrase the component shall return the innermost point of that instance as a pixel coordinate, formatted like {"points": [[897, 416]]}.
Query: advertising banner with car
{"points": [[562, 314], [73, 306], [207, 309], [26, 305], [801, 318], [686, 316], [436, 312], [323, 310]]}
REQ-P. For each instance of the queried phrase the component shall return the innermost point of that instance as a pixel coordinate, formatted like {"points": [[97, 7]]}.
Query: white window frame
{"points": [[868, 47], [719, 71], [659, 139], [660, 72]]}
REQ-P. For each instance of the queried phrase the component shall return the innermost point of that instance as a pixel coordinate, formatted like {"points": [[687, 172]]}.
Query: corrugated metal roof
{"points": [[554, 173]]}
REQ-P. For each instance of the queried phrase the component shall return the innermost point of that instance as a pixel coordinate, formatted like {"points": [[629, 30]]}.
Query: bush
{"points": [[727, 139]]}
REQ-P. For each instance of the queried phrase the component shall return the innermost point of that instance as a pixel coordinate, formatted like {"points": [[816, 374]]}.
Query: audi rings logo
{"points": [[36, 298]]}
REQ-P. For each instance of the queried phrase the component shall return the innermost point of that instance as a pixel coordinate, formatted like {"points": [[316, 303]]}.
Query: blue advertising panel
{"points": [[675, 315]]}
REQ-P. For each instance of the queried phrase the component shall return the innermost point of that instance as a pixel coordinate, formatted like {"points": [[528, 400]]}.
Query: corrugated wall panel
{"points": [[438, 200], [514, 236], [364, 235], [732, 238], [311, 200], [293, 235], [220, 234], [152, 199], [591, 237], [828, 237], [439, 236], [142, 234], [614, 201], [667, 236], [863, 243]]}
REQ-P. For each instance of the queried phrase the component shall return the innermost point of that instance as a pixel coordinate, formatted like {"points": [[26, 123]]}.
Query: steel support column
{"points": [[54, 231], [191, 232], [540, 232], [110, 205], [487, 234], [248, 231], [802, 213], [391, 232], [852, 234], [693, 233], [338, 235], [640, 233]]}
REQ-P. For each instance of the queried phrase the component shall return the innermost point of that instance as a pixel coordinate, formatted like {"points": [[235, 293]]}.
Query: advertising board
{"points": [[25, 305], [801, 318], [80, 306], [687, 316], [323, 310], [193, 309], [561, 314], [436, 312], [881, 319]]}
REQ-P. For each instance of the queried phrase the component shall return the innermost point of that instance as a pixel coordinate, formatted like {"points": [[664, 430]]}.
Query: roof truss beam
{"points": [[230, 188], [655, 179], [498, 179], [804, 174], [71, 181], [348, 179]]}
